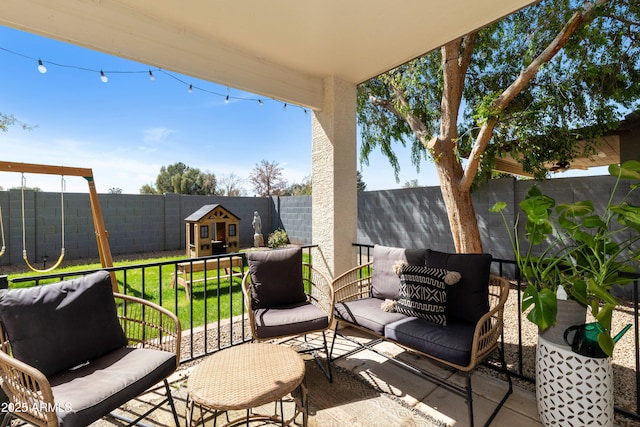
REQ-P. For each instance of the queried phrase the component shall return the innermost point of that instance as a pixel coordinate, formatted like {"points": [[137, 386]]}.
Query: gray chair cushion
{"points": [[56, 327], [86, 394], [276, 277], [293, 319], [451, 343], [469, 299], [366, 313], [384, 281]]}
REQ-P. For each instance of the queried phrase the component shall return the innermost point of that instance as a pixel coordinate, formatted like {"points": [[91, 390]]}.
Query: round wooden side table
{"points": [[245, 377]]}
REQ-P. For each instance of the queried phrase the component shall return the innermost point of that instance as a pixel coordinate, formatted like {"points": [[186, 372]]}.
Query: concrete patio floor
{"points": [[437, 401], [411, 390]]}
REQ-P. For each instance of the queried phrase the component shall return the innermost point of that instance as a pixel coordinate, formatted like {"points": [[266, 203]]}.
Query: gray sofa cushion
{"points": [[366, 313], [469, 299], [451, 343], [276, 277], [289, 320], [56, 327], [385, 283], [85, 394]]}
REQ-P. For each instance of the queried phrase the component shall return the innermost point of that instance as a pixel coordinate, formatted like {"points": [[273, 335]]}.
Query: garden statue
{"points": [[258, 240]]}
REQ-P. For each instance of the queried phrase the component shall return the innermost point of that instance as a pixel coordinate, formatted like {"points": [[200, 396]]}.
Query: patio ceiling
{"points": [[281, 48]]}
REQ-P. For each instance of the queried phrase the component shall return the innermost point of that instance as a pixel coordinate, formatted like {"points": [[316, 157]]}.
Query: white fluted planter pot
{"points": [[572, 390]]}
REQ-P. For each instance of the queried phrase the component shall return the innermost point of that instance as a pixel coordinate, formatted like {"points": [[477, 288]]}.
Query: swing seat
{"points": [[72, 352]]}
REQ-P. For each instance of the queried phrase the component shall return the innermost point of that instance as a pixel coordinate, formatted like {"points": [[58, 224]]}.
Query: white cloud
{"points": [[112, 166], [158, 134]]}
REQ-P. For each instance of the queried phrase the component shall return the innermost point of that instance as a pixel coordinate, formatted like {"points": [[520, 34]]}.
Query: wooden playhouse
{"points": [[212, 230]]}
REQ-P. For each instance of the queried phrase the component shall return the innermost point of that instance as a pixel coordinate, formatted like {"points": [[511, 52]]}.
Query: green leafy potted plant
{"points": [[584, 251]]}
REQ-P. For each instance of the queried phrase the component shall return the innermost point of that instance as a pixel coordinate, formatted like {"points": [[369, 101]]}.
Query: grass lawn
{"points": [[209, 303]]}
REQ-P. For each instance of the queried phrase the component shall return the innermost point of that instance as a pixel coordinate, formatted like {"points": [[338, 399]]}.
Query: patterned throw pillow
{"points": [[423, 292]]}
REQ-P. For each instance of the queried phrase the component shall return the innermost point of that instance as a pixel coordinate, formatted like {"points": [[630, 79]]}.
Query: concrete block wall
{"points": [[42, 227], [135, 223], [417, 218], [413, 217], [495, 238], [295, 217], [174, 236], [138, 222], [80, 236]]}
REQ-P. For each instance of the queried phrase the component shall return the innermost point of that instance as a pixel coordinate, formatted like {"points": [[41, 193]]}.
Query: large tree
{"points": [[303, 188], [267, 180], [360, 184], [532, 85], [8, 120], [231, 185], [182, 179]]}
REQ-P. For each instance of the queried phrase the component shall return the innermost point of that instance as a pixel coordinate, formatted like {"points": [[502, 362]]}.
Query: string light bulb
{"points": [[103, 77], [41, 67], [226, 100]]}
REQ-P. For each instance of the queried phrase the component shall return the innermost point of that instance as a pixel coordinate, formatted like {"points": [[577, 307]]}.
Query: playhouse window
{"points": [[204, 231]]}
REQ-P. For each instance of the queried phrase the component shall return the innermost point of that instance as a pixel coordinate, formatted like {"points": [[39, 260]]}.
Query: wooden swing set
{"points": [[101, 234]]}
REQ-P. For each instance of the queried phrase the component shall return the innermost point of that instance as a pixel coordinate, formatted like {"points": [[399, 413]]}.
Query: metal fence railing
{"points": [[212, 314]]}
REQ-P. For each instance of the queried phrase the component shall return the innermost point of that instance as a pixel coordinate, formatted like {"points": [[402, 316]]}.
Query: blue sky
{"points": [[129, 127]]}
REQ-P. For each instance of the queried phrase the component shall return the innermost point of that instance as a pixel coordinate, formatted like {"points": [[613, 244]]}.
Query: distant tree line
{"points": [[266, 179]]}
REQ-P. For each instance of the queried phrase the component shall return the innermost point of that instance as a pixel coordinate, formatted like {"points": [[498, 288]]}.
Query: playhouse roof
{"points": [[205, 210]]}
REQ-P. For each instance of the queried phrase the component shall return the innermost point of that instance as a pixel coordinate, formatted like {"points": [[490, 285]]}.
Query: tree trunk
{"points": [[462, 218], [456, 56], [458, 202]]}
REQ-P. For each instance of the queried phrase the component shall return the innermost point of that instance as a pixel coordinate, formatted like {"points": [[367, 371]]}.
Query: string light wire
{"points": [[150, 73]]}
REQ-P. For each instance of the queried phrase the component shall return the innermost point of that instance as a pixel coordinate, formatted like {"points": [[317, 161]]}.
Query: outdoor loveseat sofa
{"points": [[74, 351], [447, 307]]}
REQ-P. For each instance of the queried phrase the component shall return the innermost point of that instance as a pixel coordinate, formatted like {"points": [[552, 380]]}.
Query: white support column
{"points": [[335, 204]]}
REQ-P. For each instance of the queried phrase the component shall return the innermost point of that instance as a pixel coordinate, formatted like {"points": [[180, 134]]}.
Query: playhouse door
{"points": [[220, 242]]}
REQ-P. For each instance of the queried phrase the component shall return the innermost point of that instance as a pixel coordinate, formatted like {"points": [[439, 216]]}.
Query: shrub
{"points": [[277, 239]]}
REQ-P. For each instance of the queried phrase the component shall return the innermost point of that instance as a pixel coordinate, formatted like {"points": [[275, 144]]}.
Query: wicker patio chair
{"points": [[356, 306], [285, 297], [49, 390]]}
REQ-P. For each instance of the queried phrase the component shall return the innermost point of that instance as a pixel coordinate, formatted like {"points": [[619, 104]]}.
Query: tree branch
{"points": [[456, 57], [385, 103], [451, 91], [503, 101], [623, 20], [468, 45], [416, 125]]}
